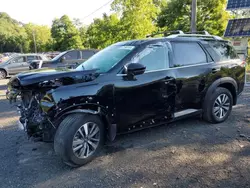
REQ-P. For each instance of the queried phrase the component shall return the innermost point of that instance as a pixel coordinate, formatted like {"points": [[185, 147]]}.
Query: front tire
{"points": [[79, 139], [219, 106]]}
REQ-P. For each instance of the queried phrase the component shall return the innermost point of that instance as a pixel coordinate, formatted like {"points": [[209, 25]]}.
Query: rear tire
{"points": [[219, 106], [79, 139], [2, 74]]}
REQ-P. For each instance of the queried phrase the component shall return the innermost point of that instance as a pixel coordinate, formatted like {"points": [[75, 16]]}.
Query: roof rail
{"points": [[178, 33], [166, 33], [199, 32]]}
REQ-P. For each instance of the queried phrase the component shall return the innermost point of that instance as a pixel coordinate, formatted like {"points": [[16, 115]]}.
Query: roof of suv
{"points": [[177, 37]]}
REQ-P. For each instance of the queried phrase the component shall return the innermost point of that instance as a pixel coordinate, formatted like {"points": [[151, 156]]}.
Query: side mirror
{"points": [[133, 69]]}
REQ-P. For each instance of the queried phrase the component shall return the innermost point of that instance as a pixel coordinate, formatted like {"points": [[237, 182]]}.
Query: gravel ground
{"points": [[189, 153]]}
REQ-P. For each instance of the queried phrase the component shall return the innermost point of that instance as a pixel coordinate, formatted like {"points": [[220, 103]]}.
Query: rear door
{"points": [[191, 67], [228, 63]]}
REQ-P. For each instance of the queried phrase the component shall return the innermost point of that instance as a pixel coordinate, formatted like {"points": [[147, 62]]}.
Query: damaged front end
{"points": [[32, 118], [27, 91]]}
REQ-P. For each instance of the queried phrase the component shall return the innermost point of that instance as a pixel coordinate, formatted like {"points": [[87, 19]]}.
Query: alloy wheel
{"points": [[221, 106], [86, 140]]}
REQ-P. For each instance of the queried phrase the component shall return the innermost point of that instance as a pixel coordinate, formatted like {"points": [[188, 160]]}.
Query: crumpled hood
{"points": [[40, 75]]}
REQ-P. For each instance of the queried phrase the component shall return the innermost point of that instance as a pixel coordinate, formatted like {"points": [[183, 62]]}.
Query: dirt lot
{"points": [[189, 153]]}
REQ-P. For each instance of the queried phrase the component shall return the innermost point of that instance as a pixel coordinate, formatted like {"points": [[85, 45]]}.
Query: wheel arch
{"points": [[226, 82], [3, 69], [110, 129]]}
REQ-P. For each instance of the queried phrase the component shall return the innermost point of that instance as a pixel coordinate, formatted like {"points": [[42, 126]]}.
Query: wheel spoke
{"points": [[83, 150], [95, 131], [86, 129], [81, 133], [77, 148], [216, 102], [94, 139], [216, 109], [219, 99], [226, 99], [226, 108], [92, 128], [217, 113], [92, 144], [87, 152], [221, 113], [77, 142]]}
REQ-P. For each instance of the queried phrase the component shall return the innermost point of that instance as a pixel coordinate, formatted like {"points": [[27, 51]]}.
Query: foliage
{"points": [[103, 32], [130, 19], [137, 17], [12, 35], [211, 16], [65, 34], [41, 34]]}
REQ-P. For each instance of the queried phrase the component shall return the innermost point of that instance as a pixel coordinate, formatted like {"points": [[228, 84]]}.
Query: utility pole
{"points": [[193, 15], [34, 39]]}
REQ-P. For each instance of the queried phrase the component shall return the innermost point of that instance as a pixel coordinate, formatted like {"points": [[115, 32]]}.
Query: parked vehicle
{"points": [[127, 87], [69, 59], [18, 63]]}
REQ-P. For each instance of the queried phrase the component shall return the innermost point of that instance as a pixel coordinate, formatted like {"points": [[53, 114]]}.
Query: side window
{"points": [[19, 60], [30, 58], [72, 55], [39, 58], [187, 53], [232, 53], [86, 54], [154, 57], [223, 50]]}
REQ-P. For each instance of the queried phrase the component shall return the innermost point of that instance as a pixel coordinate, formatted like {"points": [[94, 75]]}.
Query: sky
{"points": [[42, 12]]}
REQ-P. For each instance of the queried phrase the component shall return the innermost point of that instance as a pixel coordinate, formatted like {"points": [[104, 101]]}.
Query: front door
{"points": [[140, 100], [71, 59], [17, 65]]}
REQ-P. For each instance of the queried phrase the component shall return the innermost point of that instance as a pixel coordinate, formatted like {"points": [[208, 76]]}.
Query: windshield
{"points": [[106, 59], [10, 59], [58, 56]]}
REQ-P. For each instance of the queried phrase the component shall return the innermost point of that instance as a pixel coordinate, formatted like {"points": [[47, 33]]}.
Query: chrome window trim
{"points": [[172, 68]]}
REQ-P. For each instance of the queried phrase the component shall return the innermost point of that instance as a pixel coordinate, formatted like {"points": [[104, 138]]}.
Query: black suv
{"points": [[126, 87]]}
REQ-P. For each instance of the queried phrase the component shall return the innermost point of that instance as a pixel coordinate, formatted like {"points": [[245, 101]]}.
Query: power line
{"points": [[97, 10]]}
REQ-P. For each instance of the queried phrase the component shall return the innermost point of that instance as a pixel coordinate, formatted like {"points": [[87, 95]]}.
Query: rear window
{"points": [[222, 51], [87, 54], [30, 58], [188, 53]]}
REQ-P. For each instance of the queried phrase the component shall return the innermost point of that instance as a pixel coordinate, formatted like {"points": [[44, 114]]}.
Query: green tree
{"points": [[211, 16], [12, 35], [41, 34], [65, 35], [83, 35], [137, 17], [103, 32]]}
